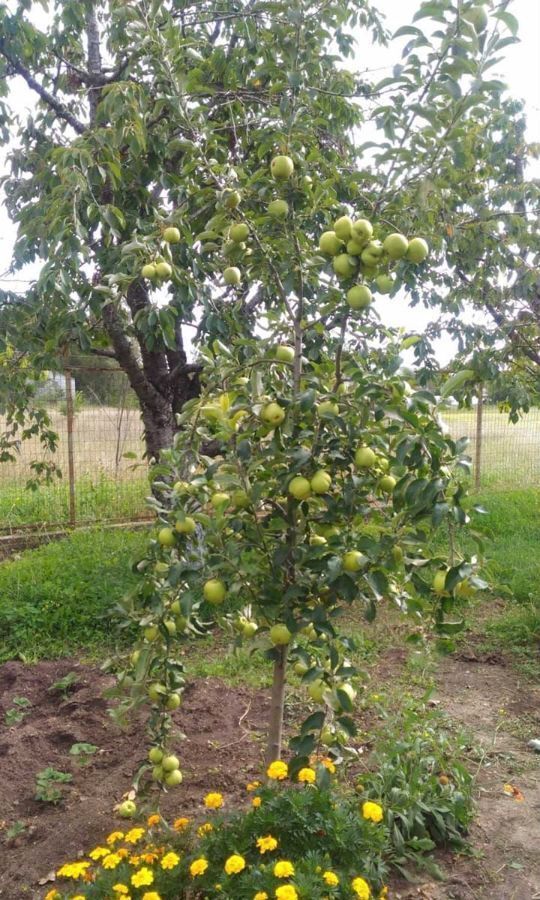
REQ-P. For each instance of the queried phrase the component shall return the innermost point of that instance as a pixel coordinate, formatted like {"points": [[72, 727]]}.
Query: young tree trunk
{"points": [[275, 729]]}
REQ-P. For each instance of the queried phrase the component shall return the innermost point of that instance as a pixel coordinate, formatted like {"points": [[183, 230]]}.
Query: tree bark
{"points": [[275, 725]]}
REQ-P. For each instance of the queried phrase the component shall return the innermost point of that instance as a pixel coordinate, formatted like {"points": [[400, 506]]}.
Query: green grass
{"points": [[57, 600]]}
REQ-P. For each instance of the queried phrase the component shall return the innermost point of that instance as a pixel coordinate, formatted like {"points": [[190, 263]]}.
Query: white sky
{"points": [[520, 70]]}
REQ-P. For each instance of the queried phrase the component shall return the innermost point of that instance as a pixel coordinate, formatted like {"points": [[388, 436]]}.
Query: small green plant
{"points": [[65, 685], [83, 753], [47, 782], [15, 830], [19, 709]]}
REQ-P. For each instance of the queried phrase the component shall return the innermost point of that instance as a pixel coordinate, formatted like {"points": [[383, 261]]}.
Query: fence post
{"points": [[71, 451], [478, 449]]}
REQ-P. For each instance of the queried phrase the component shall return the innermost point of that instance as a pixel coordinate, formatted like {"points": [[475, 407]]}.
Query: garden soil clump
{"points": [[224, 727]]}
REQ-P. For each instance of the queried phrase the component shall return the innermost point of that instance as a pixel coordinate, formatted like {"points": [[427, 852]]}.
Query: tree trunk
{"points": [[275, 729]]}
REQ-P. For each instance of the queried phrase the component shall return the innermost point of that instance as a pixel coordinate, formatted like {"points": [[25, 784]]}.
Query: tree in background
{"points": [[152, 122]]}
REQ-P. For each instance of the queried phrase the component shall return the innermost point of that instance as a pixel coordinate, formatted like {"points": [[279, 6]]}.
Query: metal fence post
{"points": [[478, 448], [71, 449]]}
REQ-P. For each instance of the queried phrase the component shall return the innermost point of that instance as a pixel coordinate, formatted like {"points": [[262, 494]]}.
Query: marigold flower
{"points": [[384, 893], [73, 870], [331, 879], [133, 836], [252, 786], [150, 857], [121, 888], [150, 895], [198, 867], [256, 802], [372, 811], [328, 764], [99, 853], [234, 864], [135, 860], [278, 770], [142, 878], [52, 895], [205, 828], [170, 860], [260, 895], [78, 897], [213, 801], [114, 837], [266, 843], [122, 852], [286, 892], [361, 889], [180, 824], [283, 869], [154, 819], [111, 861], [307, 776]]}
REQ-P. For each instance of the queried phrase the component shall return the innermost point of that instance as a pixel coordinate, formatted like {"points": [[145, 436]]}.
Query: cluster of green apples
{"points": [[159, 270], [166, 767], [356, 252]]}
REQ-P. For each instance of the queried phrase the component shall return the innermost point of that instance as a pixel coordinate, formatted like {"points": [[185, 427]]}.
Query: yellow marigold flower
{"points": [[266, 843], [180, 824], [150, 895], [328, 764], [122, 852], [384, 893], [252, 786], [98, 853], [133, 836], [213, 801], [260, 895], [307, 776], [198, 867], [361, 889], [234, 864], [170, 860], [134, 860], [278, 770], [52, 895], [121, 888], [143, 877], [114, 837], [78, 897], [73, 870], [331, 879], [111, 861], [286, 892], [283, 869], [154, 819], [372, 811], [256, 802], [205, 828]]}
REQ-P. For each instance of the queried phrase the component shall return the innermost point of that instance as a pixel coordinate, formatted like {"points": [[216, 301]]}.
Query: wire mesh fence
{"points": [[105, 477]]}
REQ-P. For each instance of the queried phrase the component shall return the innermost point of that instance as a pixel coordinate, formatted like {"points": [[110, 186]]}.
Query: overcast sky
{"points": [[520, 70]]}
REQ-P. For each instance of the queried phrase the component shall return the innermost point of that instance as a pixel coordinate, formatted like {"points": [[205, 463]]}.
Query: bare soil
{"points": [[223, 749]]}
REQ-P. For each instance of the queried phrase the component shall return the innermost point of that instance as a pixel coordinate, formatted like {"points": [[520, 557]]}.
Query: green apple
{"points": [[281, 167], [173, 779], [383, 463], [348, 689], [240, 499], [300, 668], [186, 526], [397, 554], [170, 763], [273, 414], [280, 635], [176, 607], [149, 271], [353, 561], [220, 499], [181, 623], [170, 625], [309, 631], [171, 235], [307, 181], [343, 228], [478, 18], [135, 656], [316, 690], [364, 457], [439, 581], [418, 250], [214, 591], [239, 233], [363, 230], [285, 354], [161, 568], [151, 632], [232, 199], [384, 284], [278, 209], [354, 247], [317, 540], [299, 488], [359, 296], [249, 629], [156, 691], [330, 244], [344, 265], [157, 773], [327, 408], [163, 270], [180, 487], [232, 275], [396, 245], [173, 702], [328, 736], [155, 755], [127, 809], [166, 537], [387, 483], [321, 482]]}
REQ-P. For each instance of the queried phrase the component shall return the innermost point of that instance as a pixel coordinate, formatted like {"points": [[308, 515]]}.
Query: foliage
{"points": [[59, 598], [82, 752], [64, 685], [47, 785], [18, 711]]}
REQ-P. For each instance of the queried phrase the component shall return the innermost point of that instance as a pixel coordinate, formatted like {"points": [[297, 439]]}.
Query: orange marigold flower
{"points": [[252, 786], [180, 824], [154, 819]]}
